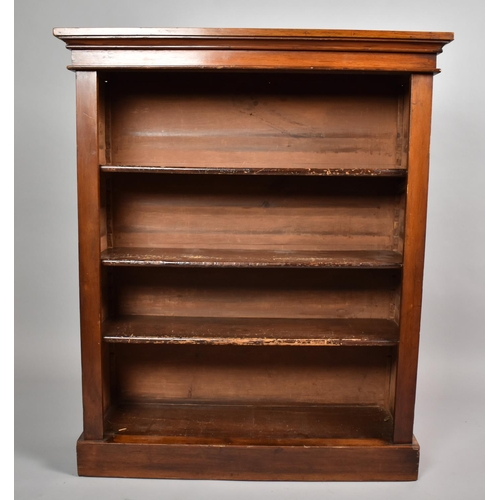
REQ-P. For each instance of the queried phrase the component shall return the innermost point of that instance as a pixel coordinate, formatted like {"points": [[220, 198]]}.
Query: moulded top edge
{"points": [[104, 33]]}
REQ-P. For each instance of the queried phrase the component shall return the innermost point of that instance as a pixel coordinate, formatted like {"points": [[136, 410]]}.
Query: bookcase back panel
{"points": [[255, 293], [232, 374], [257, 212], [242, 120]]}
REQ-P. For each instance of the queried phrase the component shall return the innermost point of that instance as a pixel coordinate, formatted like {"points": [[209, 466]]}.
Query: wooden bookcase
{"points": [[252, 209]]}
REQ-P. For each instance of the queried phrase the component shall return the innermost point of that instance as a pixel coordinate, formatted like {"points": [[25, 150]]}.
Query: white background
{"points": [[450, 399]]}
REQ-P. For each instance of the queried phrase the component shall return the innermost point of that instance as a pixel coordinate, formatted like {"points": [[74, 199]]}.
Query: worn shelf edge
{"points": [[175, 257], [333, 172], [251, 331]]}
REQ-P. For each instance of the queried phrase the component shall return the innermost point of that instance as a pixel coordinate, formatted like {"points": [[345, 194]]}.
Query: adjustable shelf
{"points": [[251, 331], [381, 171], [252, 209], [250, 258]]}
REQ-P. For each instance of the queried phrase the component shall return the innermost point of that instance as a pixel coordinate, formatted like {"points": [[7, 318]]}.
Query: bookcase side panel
{"points": [[413, 256], [89, 236]]}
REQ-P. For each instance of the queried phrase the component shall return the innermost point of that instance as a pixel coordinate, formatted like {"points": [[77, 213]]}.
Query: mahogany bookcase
{"points": [[251, 214]]}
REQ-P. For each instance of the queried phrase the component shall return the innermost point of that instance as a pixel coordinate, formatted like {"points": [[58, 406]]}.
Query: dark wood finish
{"points": [[413, 263], [252, 210], [250, 331], [89, 231], [362, 462]]}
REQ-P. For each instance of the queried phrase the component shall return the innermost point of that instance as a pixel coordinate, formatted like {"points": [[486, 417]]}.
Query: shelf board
{"points": [[250, 331], [182, 257], [251, 424], [378, 171]]}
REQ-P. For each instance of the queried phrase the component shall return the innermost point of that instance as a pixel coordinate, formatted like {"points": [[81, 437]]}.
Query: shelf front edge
{"points": [[302, 171], [164, 257], [251, 331]]}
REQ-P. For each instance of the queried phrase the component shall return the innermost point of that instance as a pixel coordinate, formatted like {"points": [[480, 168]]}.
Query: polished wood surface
{"points": [[151, 34], [244, 60], [252, 211]]}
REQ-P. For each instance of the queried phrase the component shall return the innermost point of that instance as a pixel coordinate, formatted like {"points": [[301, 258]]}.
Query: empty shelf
{"points": [[300, 425]]}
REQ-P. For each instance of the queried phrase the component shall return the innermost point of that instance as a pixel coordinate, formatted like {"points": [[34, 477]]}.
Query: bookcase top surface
{"points": [[253, 49], [259, 33]]}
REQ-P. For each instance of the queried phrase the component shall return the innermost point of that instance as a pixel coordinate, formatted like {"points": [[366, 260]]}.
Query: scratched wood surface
{"points": [[250, 331], [202, 257], [304, 170]]}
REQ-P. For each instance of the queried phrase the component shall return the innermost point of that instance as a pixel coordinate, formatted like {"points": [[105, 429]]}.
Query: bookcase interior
{"points": [[243, 120], [266, 301]]}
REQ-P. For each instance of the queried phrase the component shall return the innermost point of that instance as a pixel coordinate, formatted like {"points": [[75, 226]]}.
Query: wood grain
{"points": [[253, 48], [260, 170], [413, 258], [89, 232], [256, 121], [270, 213], [255, 292], [134, 35], [258, 318], [235, 374], [366, 462], [252, 425], [182, 257], [300, 60]]}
